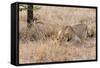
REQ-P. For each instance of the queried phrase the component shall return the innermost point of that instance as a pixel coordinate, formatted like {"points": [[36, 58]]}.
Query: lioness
{"points": [[76, 32]]}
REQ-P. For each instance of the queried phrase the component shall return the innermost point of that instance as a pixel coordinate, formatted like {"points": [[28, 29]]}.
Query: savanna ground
{"points": [[38, 43]]}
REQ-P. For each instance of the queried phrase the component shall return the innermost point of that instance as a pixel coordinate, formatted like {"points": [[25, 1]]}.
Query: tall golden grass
{"points": [[38, 44]]}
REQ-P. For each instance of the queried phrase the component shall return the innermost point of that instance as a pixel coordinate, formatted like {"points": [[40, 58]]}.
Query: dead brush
{"points": [[24, 35], [38, 32]]}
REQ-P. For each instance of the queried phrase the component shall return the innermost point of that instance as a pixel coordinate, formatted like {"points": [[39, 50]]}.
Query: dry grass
{"points": [[38, 44], [48, 51]]}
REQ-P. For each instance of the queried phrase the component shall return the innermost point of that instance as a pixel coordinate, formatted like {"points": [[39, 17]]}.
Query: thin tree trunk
{"points": [[29, 16]]}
